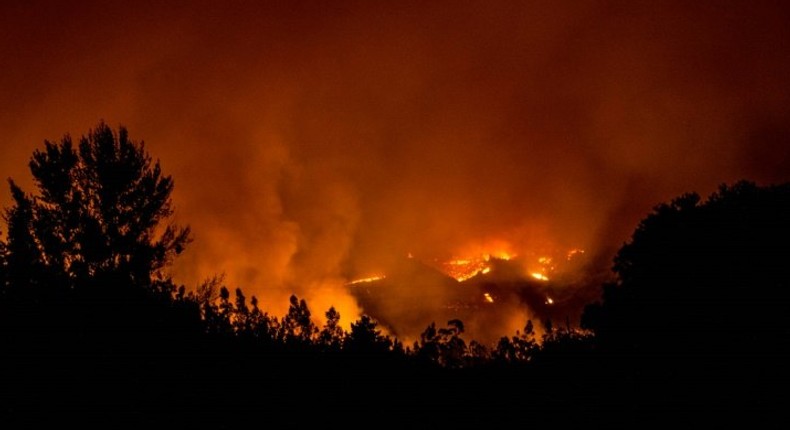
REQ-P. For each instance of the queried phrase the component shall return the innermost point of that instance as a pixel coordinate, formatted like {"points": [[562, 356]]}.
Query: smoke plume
{"points": [[312, 143]]}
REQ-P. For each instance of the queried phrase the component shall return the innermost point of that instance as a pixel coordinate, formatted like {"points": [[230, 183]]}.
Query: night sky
{"points": [[315, 142]]}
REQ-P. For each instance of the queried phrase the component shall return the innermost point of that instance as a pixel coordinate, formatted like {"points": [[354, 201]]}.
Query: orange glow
{"points": [[400, 166], [488, 298], [549, 300]]}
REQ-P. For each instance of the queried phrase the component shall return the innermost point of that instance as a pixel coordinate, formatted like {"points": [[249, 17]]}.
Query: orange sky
{"points": [[311, 141]]}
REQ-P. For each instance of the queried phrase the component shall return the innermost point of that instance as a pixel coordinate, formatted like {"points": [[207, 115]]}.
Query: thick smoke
{"points": [[313, 143]]}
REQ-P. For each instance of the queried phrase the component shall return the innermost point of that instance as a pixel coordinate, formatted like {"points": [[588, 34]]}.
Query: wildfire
{"points": [[367, 280], [480, 260], [488, 298], [549, 300]]}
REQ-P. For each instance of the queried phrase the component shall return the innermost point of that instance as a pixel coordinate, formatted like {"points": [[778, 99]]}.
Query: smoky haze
{"points": [[315, 142]]}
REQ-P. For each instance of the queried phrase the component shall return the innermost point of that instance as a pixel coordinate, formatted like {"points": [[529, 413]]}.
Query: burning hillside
{"points": [[494, 293]]}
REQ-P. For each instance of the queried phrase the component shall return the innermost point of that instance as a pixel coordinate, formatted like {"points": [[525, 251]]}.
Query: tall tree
{"points": [[98, 214]]}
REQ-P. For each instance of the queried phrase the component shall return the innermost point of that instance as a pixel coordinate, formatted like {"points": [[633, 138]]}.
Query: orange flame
{"points": [[366, 280], [539, 276], [475, 259]]}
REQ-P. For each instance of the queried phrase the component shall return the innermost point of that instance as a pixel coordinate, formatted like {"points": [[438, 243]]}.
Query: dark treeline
{"points": [[93, 330]]}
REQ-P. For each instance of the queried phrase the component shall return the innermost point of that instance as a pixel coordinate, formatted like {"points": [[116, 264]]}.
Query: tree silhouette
{"points": [[84, 288], [444, 346], [332, 335], [478, 354], [427, 349], [96, 216], [297, 328], [520, 348], [702, 301], [24, 265], [452, 348], [365, 338], [263, 327]]}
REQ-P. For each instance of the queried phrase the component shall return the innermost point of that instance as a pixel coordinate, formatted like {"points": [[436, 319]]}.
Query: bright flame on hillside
{"points": [[501, 255], [539, 276], [367, 280], [465, 268], [480, 259]]}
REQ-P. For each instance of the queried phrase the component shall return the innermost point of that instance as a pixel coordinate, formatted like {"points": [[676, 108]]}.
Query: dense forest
{"points": [[94, 331]]}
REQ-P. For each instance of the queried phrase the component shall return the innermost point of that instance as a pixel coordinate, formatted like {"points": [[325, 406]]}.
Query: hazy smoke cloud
{"points": [[311, 143]]}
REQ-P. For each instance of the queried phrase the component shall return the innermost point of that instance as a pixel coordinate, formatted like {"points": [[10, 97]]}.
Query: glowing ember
{"points": [[549, 300], [573, 252], [488, 298], [548, 267], [486, 270], [539, 276], [366, 280]]}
